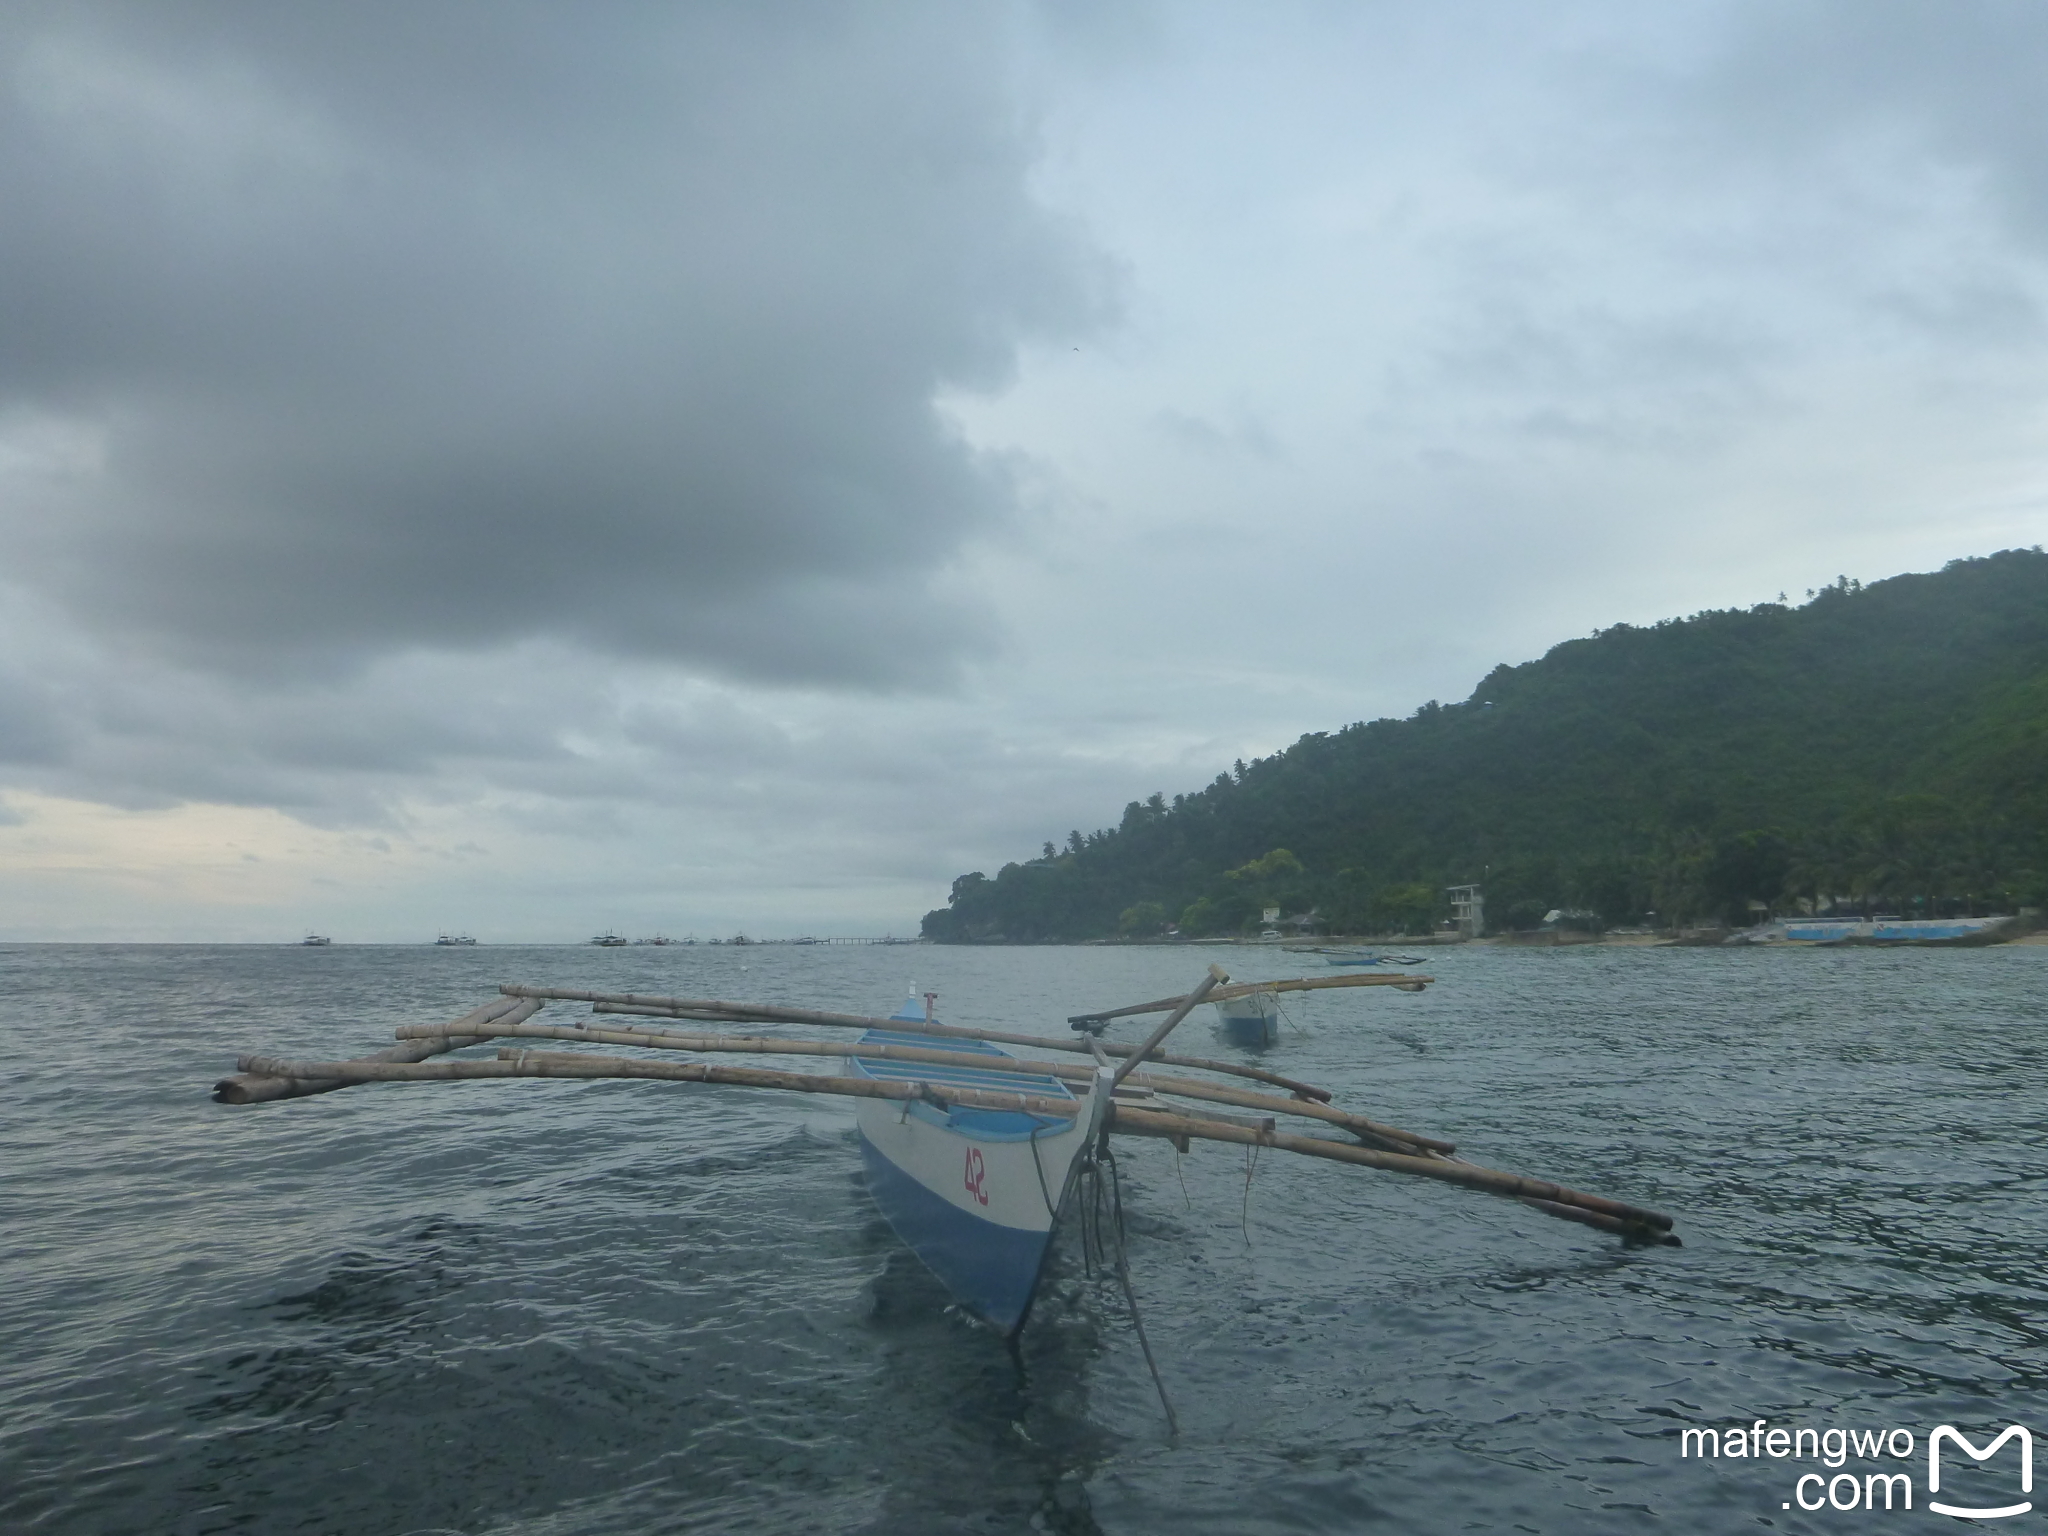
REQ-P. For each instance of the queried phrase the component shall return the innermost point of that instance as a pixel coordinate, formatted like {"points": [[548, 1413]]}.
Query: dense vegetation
{"points": [[1885, 745]]}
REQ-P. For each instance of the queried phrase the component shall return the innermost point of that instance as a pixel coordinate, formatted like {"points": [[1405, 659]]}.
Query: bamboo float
{"points": [[519, 1063], [1124, 1119], [1178, 1087], [1222, 994], [709, 1011], [1625, 1220], [262, 1088], [269, 1077]]}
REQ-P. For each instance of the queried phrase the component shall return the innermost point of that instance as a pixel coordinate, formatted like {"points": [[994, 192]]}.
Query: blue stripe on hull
{"points": [[991, 1270]]}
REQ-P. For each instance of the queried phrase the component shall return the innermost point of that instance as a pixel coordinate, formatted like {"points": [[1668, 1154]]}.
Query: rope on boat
{"points": [[1038, 1124]]}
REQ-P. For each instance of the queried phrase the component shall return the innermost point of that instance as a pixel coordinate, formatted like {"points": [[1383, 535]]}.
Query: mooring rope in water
{"points": [[1123, 1274], [1244, 1210], [1292, 1022], [1089, 1217]]}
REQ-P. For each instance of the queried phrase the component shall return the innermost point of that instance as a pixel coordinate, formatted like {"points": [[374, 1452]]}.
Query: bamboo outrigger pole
{"points": [[1217, 977], [755, 1045], [265, 1078], [707, 1010], [1124, 1119], [471, 1029], [518, 1063], [1553, 1199], [1223, 994]]}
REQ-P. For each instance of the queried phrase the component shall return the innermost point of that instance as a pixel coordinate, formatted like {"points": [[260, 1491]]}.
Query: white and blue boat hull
{"points": [[1253, 1019], [975, 1193]]}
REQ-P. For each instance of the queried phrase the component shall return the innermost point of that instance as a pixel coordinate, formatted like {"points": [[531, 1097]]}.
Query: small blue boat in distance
{"points": [[975, 1193]]}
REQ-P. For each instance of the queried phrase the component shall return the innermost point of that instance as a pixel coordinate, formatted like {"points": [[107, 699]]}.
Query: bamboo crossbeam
{"points": [[1124, 1118], [1629, 1220], [1406, 983], [705, 1010], [1179, 1087], [262, 1088], [521, 1063]]}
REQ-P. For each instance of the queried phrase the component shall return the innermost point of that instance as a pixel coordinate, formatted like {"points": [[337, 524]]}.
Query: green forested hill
{"points": [[1886, 743]]}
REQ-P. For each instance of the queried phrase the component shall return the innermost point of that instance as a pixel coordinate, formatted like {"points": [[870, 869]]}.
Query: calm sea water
{"points": [[570, 1309]]}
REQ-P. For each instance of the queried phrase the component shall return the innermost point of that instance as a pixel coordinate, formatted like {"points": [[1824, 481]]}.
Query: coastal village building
{"points": [[1468, 910]]}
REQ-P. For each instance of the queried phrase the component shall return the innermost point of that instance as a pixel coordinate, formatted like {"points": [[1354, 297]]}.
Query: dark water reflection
{"points": [[565, 1309]]}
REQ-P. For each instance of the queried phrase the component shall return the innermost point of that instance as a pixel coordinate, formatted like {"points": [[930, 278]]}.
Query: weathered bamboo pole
{"points": [[1179, 1087], [1125, 1119], [1651, 1226], [1217, 977], [519, 1063], [1596, 1220], [471, 1029], [711, 1011], [1246, 988]]}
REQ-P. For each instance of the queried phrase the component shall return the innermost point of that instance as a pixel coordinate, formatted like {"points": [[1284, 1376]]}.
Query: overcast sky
{"points": [[525, 468]]}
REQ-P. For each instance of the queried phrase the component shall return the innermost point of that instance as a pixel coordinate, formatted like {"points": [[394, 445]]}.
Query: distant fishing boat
{"points": [[1349, 957], [1252, 1019], [1882, 929], [975, 1193], [453, 940], [315, 940], [610, 940]]}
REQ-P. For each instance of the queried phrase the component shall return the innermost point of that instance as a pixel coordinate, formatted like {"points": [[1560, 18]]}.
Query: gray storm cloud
{"points": [[534, 425], [370, 327]]}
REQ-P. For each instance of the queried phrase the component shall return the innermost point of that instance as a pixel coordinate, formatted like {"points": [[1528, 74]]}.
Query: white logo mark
{"points": [[1934, 1469]]}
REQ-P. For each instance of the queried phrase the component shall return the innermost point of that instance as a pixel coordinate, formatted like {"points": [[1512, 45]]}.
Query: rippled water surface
{"points": [[569, 1308]]}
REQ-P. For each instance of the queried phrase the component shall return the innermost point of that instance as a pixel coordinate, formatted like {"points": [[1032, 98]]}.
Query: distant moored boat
{"points": [[316, 940], [1253, 1019], [609, 940]]}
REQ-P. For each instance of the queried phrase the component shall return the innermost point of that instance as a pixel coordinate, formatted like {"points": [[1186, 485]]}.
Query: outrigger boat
{"points": [[975, 1192], [1253, 1019], [972, 1153]]}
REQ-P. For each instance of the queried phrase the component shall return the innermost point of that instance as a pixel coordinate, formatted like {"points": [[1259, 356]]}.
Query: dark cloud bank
{"points": [[415, 402], [333, 331]]}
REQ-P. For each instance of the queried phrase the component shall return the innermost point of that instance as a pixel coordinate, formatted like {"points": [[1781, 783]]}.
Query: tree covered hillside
{"points": [[1885, 744]]}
